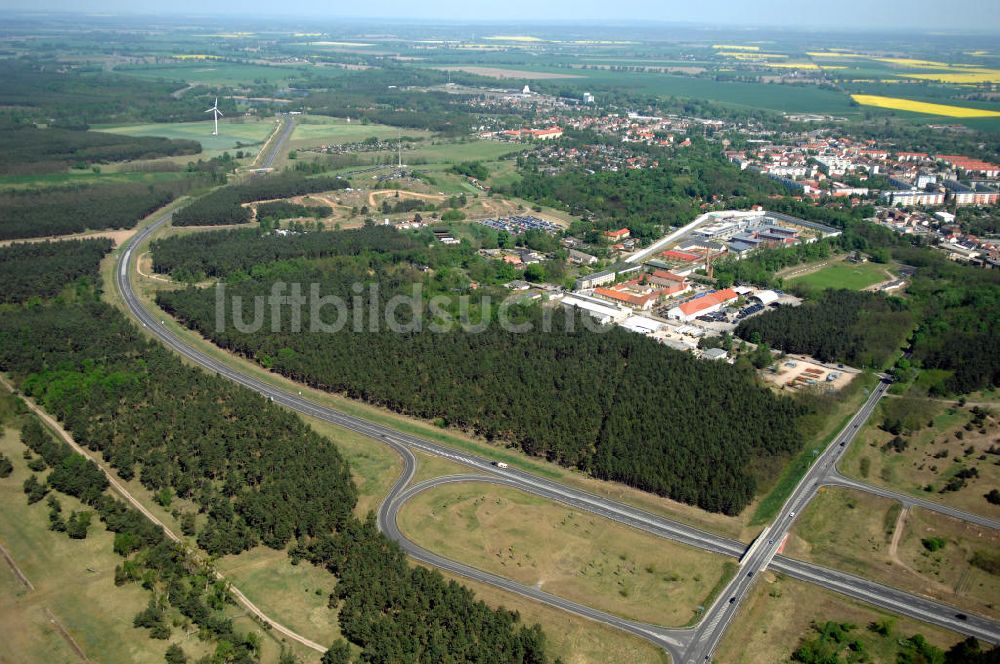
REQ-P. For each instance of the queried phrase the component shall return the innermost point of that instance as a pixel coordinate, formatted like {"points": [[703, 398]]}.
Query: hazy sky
{"points": [[979, 15]]}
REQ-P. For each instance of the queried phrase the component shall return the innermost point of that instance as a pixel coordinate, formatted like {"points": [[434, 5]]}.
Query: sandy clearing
{"points": [[499, 72], [402, 194], [117, 237]]}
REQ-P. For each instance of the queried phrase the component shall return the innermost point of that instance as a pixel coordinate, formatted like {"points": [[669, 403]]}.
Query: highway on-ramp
{"points": [[707, 634]]}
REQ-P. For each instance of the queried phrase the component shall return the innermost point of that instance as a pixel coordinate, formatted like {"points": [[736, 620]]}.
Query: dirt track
{"points": [[116, 236], [118, 488], [381, 192]]}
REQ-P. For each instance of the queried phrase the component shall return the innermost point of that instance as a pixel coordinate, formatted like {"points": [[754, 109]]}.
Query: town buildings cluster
{"points": [[842, 167]]}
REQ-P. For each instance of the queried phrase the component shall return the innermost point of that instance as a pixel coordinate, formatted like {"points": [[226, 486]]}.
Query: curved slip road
{"points": [[837, 479], [708, 632], [671, 640]]}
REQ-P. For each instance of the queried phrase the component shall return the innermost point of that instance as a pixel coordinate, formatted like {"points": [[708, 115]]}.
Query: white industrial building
{"points": [[604, 312]]}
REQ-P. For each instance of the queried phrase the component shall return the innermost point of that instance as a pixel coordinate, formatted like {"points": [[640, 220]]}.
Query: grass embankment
{"points": [[943, 442], [855, 531], [572, 639], [822, 427], [280, 579], [73, 585], [568, 553], [780, 612]]}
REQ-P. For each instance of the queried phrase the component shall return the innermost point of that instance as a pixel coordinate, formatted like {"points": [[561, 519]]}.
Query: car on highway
{"points": [[791, 515], [732, 600], [961, 616], [500, 464]]}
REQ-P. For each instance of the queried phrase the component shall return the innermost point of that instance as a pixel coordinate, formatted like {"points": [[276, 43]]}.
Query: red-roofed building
{"points": [[643, 302], [664, 278], [970, 165], [680, 256], [705, 304], [618, 235]]}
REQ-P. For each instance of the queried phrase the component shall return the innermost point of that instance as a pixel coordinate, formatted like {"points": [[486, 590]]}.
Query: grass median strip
{"points": [[568, 553]]}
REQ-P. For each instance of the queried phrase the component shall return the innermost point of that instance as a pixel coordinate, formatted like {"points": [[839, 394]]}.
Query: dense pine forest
{"points": [[277, 210], [615, 404], [239, 459], [26, 149], [959, 330], [857, 328], [954, 309], [44, 269], [178, 582], [64, 210], [226, 252], [224, 206], [48, 91], [255, 472]]}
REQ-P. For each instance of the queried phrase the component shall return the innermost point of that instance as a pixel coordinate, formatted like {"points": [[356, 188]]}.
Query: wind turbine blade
{"points": [[210, 110], [219, 112]]}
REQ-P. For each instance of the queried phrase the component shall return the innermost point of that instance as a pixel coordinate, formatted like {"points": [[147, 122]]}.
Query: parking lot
{"points": [[518, 224]]}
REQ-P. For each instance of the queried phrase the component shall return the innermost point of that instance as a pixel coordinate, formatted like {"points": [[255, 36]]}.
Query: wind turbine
{"points": [[218, 114]]}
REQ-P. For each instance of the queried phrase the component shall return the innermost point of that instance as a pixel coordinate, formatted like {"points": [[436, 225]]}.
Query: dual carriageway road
{"points": [[696, 644]]}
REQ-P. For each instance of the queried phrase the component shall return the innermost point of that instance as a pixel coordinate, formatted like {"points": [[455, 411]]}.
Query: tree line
{"points": [[257, 473], [284, 210], [73, 96], [226, 252], [959, 327], [64, 210], [225, 205], [183, 590], [615, 404], [27, 149], [44, 269], [858, 328]]}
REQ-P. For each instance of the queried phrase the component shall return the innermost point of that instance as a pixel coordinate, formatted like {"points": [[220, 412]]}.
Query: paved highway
{"points": [[706, 637], [765, 548], [673, 641], [836, 479]]}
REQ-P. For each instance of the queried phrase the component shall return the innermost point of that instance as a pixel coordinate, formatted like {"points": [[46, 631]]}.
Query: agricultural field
{"points": [[923, 108], [500, 72], [565, 552], [86, 177], [454, 152], [780, 612], [873, 537], [213, 73], [842, 274], [927, 461], [233, 133], [315, 130]]}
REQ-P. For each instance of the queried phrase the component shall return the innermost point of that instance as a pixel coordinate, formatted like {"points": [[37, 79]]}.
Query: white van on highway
{"points": [[500, 464]]}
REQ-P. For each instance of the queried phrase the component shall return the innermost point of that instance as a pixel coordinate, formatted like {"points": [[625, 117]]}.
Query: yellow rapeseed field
{"points": [[746, 55], [897, 104], [801, 65], [968, 76]]}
